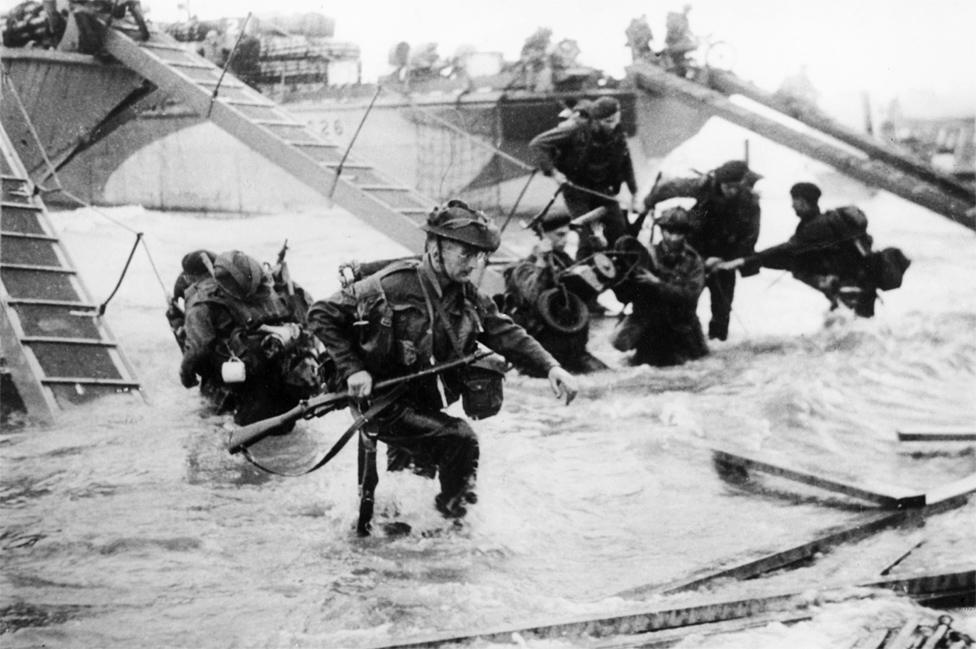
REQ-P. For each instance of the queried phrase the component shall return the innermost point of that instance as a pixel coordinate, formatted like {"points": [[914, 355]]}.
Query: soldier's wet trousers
{"points": [[721, 290], [431, 439]]}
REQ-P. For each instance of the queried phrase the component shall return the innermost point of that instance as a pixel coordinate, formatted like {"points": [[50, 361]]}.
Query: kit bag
{"points": [[888, 267]]}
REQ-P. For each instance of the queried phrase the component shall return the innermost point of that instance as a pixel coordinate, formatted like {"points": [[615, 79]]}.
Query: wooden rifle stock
{"points": [[255, 432], [322, 403]]}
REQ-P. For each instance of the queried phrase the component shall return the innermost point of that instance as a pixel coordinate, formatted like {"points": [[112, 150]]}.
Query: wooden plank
{"points": [[871, 524], [39, 269], [95, 342], [87, 380], [699, 612], [954, 494], [946, 434], [905, 637], [26, 235], [656, 80], [885, 495], [958, 490], [669, 637]]}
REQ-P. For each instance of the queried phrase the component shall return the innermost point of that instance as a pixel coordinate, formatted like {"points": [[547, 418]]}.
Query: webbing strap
{"points": [[378, 406]]}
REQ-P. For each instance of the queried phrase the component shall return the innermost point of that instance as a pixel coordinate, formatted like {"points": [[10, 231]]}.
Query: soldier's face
{"points": [[673, 239], [559, 237], [729, 190], [607, 124], [459, 261], [801, 207]]}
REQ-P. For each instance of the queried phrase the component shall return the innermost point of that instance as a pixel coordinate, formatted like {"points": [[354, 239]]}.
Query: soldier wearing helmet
{"points": [[226, 318], [663, 284], [724, 225], [415, 313]]}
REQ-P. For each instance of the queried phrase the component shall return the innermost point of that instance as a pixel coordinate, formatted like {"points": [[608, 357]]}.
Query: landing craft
{"points": [[385, 205]]}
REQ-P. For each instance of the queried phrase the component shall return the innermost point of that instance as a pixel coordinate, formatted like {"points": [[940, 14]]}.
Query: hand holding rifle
{"points": [[361, 385]]}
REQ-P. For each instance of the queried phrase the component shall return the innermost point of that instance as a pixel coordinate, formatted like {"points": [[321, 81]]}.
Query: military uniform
{"points": [[385, 325], [828, 251], [221, 323], [723, 227], [590, 159], [663, 327], [566, 331]]}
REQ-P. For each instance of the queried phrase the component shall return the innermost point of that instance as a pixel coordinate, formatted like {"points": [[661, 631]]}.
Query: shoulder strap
{"points": [[455, 343], [378, 406]]}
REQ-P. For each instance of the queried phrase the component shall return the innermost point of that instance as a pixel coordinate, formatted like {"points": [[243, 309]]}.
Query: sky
{"points": [[923, 52]]}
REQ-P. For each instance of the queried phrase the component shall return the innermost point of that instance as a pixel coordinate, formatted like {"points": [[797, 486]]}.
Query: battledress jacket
{"points": [[830, 243], [383, 324], [675, 299], [596, 161], [721, 227], [212, 315]]}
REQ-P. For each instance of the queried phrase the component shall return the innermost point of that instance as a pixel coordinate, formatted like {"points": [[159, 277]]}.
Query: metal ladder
{"points": [[55, 351], [879, 173]]}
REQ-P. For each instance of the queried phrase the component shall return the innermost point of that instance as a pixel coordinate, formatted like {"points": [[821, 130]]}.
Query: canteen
{"points": [[233, 371]]}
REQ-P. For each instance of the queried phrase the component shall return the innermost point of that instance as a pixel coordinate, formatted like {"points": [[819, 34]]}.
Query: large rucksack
{"points": [[888, 266]]}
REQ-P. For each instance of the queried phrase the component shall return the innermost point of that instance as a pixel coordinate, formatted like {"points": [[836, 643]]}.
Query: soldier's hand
{"points": [[563, 384], [645, 276], [732, 264], [360, 384], [188, 378], [633, 204], [712, 263]]}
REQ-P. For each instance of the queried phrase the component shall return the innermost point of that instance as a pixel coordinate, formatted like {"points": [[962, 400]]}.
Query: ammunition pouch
{"points": [[482, 393]]}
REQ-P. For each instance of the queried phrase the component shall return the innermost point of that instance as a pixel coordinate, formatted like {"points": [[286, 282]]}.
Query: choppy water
{"points": [[128, 524]]}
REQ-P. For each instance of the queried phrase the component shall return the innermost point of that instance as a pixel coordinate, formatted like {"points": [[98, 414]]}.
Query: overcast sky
{"points": [[882, 47]]}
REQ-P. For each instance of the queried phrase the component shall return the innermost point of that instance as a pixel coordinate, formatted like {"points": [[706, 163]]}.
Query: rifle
{"points": [[282, 266], [537, 219], [636, 227], [322, 404]]}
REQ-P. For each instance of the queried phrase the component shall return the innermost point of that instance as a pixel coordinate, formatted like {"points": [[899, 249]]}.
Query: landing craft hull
{"points": [[171, 159]]}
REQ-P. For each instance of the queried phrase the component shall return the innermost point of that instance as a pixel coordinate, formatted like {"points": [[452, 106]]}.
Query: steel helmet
{"points": [[458, 222], [675, 219], [238, 273]]}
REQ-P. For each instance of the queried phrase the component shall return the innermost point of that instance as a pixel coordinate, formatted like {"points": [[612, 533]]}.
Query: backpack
{"points": [[887, 267]]}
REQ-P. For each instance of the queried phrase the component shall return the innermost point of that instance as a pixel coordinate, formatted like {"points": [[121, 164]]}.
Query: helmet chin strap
{"points": [[436, 262]]}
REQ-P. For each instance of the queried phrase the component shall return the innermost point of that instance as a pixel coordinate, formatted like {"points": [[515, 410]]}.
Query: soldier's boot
{"points": [[451, 507], [718, 329]]}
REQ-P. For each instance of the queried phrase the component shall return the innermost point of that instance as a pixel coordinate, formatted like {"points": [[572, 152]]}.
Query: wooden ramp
{"points": [[56, 351], [730, 84], [388, 206], [861, 166]]}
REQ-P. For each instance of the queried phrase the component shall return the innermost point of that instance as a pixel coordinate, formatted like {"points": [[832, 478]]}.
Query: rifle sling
{"points": [[378, 406]]}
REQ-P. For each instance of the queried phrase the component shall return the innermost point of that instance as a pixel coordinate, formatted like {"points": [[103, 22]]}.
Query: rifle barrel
{"points": [[258, 430]]}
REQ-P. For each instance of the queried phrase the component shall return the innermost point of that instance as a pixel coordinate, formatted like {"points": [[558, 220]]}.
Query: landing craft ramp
{"points": [[730, 84], [389, 207], [56, 351], [880, 173]]}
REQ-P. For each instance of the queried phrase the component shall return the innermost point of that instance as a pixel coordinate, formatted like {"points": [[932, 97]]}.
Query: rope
{"points": [[511, 213], [230, 57], [125, 269], [53, 173]]}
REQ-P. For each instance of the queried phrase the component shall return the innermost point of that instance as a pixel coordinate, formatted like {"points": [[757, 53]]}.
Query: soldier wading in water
{"points": [[418, 313]]}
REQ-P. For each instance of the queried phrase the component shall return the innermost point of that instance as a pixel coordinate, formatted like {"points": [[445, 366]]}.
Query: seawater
{"points": [[128, 524]]}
